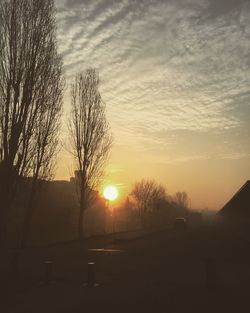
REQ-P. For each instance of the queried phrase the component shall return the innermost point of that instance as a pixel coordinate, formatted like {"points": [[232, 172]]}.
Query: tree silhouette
{"points": [[30, 96], [148, 196], [89, 136], [181, 198]]}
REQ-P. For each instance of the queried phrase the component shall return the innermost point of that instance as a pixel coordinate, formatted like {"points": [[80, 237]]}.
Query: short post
{"points": [[48, 271], [210, 270], [91, 274]]}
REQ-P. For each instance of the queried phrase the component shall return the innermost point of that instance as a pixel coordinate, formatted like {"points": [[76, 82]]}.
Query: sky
{"points": [[175, 78]]}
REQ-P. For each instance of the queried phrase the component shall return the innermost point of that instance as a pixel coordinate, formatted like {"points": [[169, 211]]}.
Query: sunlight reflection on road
{"points": [[105, 250]]}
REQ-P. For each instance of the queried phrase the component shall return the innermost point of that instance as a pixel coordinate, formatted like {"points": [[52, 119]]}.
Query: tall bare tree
{"points": [[44, 147], [148, 195], [90, 137], [30, 94], [181, 198]]}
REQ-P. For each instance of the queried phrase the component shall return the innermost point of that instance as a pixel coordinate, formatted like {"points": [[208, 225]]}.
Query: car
{"points": [[180, 223]]}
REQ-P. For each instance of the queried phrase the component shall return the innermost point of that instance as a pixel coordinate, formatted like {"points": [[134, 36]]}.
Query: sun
{"points": [[110, 193]]}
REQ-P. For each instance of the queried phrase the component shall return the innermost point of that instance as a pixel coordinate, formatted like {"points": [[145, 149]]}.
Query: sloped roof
{"points": [[239, 204]]}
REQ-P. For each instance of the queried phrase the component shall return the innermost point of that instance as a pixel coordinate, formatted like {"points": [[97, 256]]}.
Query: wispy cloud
{"points": [[167, 67]]}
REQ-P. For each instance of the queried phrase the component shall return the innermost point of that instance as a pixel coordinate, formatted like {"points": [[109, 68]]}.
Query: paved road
{"points": [[163, 272]]}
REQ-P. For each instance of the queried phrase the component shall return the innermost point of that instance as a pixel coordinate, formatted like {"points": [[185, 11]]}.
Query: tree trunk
{"points": [[15, 264], [81, 215], [28, 215], [6, 184], [80, 225], [5, 206], [26, 225], [4, 214]]}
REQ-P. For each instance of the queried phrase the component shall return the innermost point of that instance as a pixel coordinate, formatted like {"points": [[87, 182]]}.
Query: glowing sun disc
{"points": [[110, 193]]}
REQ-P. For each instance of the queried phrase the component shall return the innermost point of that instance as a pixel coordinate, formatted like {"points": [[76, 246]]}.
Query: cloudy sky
{"points": [[175, 77]]}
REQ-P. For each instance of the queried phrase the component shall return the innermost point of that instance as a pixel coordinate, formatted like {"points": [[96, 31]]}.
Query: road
{"points": [[161, 272]]}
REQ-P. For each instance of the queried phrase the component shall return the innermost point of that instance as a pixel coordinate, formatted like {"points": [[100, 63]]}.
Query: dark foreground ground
{"points": [[161, 272]]}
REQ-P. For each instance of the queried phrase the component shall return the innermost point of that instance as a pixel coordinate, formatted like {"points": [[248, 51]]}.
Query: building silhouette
{"points": [[238, 207]]}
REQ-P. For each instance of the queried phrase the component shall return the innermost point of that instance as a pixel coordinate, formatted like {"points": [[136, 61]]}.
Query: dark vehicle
{"points": [[180, 223]]}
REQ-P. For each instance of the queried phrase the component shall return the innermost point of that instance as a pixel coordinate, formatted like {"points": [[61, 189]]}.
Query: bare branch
{"points": [[31, 88], [148, 195], [89, 135]]}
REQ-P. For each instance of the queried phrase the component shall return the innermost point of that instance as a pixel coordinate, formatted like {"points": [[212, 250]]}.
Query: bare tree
{"points": [[44, 147], [148, 196], [30, 94], [181, 198], [89, 136]]}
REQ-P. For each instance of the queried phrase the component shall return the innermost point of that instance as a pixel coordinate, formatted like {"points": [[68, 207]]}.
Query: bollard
{"points": [[91, 274], [210, 270], [48, 271]]}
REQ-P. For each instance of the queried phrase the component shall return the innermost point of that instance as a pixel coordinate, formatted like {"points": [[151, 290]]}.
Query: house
{"points": [[238, 206]]}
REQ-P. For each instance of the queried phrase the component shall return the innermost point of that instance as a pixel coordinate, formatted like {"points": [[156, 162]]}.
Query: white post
{"points": [[48, 271], [91, 274]]}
